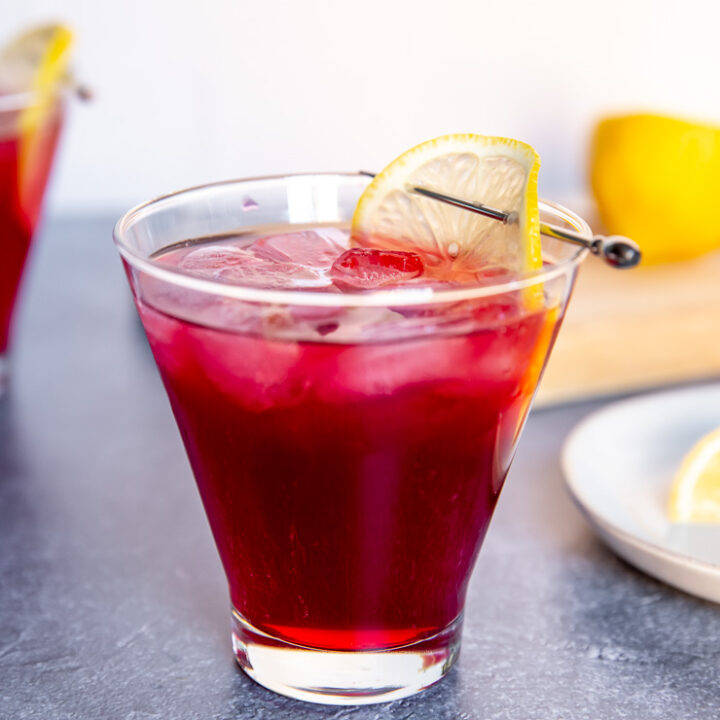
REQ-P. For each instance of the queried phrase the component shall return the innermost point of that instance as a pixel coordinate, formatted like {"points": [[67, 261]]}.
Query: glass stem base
{"points": [[344, 677], [4, 373]]}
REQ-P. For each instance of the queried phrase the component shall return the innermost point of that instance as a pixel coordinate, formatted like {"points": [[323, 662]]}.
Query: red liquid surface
{"points": [[22, 185], [349, 485]]}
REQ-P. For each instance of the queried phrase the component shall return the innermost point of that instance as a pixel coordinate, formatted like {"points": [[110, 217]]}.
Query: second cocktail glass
{"points": [[349, 447], [28, 138]]}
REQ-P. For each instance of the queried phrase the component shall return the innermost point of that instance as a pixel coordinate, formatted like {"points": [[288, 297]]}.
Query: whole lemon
{"points": [[657, 180]]}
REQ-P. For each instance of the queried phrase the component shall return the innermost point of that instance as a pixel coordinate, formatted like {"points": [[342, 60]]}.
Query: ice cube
{"points": [[496, 311], [322, 320], [385, 368], [292, 261], [272, 275], [208, 259], [258, 373], [312, 248], [494, 275], [366, 269]]}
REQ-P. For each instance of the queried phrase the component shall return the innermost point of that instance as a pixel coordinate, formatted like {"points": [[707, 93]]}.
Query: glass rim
{"points": [[22, 99], [400, 296], [17, 100]]}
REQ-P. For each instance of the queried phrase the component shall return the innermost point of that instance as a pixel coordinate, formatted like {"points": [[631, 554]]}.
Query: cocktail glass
{"points": [[349, 448], [29, 129]]}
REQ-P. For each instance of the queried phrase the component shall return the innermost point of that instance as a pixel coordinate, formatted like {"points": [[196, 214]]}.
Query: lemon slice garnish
{"points": [[496, 171], [695, 492], [38, 59]]}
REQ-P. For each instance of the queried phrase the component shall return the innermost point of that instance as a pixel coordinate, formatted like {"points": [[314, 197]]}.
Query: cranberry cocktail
{"points": [[350, 412]]}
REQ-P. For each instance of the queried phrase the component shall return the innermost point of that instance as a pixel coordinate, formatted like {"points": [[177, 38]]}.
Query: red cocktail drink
{"points": [[349, 484], [350, 419]]}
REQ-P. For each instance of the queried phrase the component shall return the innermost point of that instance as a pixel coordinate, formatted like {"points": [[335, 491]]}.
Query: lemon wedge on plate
{"points": [[496, 171], [695, 492]]}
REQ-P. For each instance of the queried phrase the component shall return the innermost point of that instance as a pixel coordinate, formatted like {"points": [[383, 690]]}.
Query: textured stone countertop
{"points": [[113, 603]]}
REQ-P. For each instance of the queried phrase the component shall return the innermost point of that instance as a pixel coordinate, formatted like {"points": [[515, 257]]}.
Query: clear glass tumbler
{"points": [[349, 448]]}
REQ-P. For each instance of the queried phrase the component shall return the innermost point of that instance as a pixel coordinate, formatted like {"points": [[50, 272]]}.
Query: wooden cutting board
{"points": [[633, 329]]}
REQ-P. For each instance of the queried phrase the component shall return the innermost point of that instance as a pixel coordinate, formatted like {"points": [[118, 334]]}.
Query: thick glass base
{"points": [[344, 678]]}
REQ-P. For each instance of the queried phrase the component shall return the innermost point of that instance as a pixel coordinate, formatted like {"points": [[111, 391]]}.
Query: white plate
{"points": [[619, 463]]}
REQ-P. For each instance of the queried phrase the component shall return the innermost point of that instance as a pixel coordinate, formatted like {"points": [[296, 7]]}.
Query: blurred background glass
{"points": [[33, 79]]}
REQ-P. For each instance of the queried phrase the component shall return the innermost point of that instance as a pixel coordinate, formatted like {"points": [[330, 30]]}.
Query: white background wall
{"points": [[189, 91]]}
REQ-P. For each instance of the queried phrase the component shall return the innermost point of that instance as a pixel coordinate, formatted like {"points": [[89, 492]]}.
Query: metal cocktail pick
{"points": [[617, 251]]}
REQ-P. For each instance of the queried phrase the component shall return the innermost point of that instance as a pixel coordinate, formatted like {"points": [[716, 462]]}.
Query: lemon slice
{"points": [[496, 171], [695, 492], [37, 60]]}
